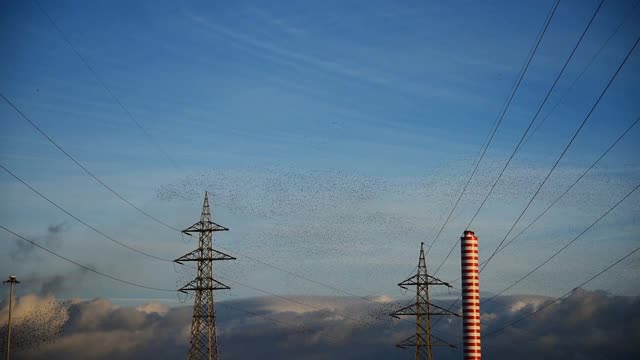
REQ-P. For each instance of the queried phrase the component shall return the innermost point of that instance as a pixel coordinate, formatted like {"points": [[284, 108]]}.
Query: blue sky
{"points": [[334, 137]]}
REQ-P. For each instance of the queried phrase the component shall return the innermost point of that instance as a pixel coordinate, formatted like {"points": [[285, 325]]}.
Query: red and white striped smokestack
{"points": [[470, 296]]}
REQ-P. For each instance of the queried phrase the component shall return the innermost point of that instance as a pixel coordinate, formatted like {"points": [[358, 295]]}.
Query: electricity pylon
{"points": [[204, 339], [422, 309]]}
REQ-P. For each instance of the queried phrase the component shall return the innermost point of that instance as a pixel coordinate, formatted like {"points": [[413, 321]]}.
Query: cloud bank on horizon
{"points": [[585, 325]]}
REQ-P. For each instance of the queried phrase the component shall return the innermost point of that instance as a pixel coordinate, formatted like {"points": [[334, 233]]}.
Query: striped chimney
{"points": [[470, 296]]}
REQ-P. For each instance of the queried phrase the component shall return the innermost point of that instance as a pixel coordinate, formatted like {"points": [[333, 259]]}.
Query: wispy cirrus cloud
{"points": [[265, 47]]}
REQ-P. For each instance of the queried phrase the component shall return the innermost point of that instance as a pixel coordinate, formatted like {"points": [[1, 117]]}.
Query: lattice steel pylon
{"points": [[422, 309], [204, 339]]}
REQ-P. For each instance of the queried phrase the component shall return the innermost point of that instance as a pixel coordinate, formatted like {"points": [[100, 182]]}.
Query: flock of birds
{"points": [[321, 213], [41, 324]]}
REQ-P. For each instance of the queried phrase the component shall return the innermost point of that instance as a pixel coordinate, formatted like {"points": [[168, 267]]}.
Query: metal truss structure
{"points": [[204, 339], [422, 310]]}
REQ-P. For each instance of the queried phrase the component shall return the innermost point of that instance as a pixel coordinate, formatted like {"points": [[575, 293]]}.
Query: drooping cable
{"points": [[535, 117], [568, 189], [26, 118], [491, 333], [84, 266], [80, 220], [565, 246], [104, 85], [628, 14], [564, 151], [500, 118]]}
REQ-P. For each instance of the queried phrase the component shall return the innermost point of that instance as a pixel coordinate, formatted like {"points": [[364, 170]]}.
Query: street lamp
{"points": [[12, 280]]}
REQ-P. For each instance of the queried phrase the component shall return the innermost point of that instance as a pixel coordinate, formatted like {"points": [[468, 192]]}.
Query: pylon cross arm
{"points": [[440, 342], [193, 286], [436, 281], [204, 226], [408, 342], [195, 255], [404, 311], [416, 281], [411, 281], [411, 342], [410, 310], [443, 311]]}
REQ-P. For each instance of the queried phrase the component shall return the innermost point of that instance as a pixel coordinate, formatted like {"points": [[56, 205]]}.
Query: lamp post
{"points": [[12, 280]]}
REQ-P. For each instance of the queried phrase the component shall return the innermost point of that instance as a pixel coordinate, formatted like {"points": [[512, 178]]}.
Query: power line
{"points": [[294, 274], [80, 220], [566, 191], [500, 118], [565, 295], [492, 299], [336, 289], [563, 152], [132, 118], [555, 165], [560, 158], [297, 275], [302, 303], [144, 286], [128, 113], [173, 228], [151, 255], [592, 165], [544, 102], [294, 300], [84, 266], [104, 85], [163, 259], [528, 128], [140, 252], [114, 192], [303, 329], [584, 70], [573, 184], [24, 116], [566, 245], [553, 203]]}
